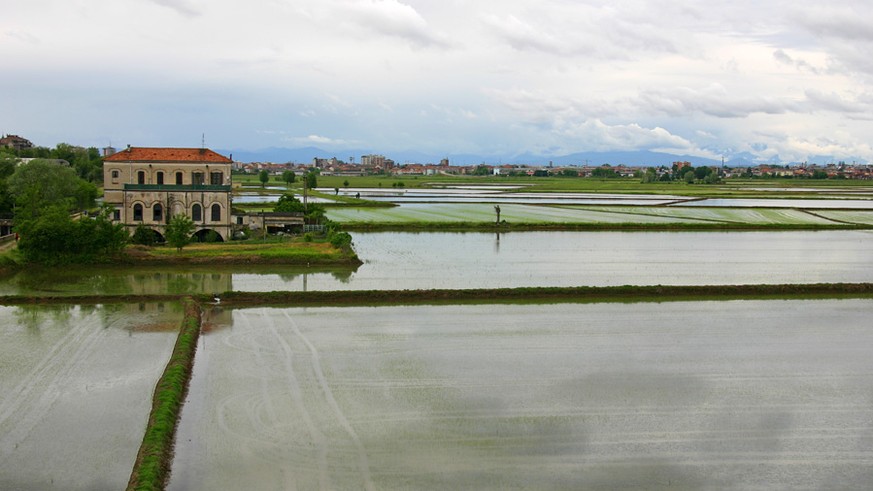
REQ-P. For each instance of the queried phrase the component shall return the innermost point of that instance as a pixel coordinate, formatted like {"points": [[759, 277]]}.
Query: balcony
{"points": [[178, 188]]}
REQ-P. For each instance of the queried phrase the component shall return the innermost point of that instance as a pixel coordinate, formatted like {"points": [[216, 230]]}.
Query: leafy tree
{"points": [[604, 172], [289, 177], [702, 172], [481, 170], [569, 173], [649, 176], [288, 204], [42, 183], [179, 231], [689, 177], [264, 177], [311, 180], [7, 167], [143, 236], [54, 237]]}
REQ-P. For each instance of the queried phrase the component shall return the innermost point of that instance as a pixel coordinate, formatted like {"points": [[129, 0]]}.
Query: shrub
{"points": [[143, 236]]}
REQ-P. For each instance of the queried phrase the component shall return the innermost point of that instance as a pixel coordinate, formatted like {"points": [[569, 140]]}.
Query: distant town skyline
{"points": [[759, 79]]}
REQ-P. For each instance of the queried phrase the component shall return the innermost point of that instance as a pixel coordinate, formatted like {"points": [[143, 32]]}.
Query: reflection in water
{"points": [[159, 280]]}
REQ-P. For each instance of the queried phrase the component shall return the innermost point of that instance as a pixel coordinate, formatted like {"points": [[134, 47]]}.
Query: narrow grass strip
{"points": [[578, 294], [152, 467], [592, 226], [627, 293]]}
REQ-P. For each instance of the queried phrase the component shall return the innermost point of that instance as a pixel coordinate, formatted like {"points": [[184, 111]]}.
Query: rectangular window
{"points": [[197, 178], [216, 178], [160, 178], [116, 215]]}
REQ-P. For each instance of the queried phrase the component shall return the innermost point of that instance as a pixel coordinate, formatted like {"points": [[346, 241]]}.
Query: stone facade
{"points": [[149, 185]]}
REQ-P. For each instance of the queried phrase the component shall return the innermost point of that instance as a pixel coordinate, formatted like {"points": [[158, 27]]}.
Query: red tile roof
{"points": [[143, 154]]}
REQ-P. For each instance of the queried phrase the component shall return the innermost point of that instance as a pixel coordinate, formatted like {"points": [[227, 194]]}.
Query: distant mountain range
{"points": [[631, 158]]}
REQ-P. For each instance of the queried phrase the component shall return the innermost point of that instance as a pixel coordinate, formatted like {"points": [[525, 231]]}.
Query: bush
{"points": [[143, 236], [341, 240]]}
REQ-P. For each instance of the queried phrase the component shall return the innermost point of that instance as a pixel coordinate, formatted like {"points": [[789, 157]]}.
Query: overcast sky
{"points": [[498, 77]]}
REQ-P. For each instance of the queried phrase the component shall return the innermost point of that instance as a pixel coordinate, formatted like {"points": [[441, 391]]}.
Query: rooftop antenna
{"points": [[203, 141]]}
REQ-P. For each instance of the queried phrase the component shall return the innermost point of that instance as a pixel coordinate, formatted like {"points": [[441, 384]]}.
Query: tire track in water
{"points": [[296, 393], [363, 462], [32, 400]]}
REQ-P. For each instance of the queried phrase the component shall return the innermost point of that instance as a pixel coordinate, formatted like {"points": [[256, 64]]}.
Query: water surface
{"points": [[684, 395], [404, 260], [77, 385]]}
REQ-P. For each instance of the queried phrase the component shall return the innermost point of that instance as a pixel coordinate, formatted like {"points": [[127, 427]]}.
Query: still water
{"points": [[684, 395], [77, 384], [403, 260]]}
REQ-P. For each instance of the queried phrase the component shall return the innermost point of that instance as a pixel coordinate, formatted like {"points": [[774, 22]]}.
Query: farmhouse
{"points": [[147, 186]]}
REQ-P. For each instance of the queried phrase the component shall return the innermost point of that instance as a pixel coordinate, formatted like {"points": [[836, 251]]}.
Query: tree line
{"points": [[42, 195]]}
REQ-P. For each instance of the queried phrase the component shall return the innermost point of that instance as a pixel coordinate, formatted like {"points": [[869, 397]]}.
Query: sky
{"points": [[772, 79]]}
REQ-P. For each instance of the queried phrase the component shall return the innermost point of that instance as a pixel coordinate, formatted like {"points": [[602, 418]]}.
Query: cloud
{"points": [[317, 140], [394, 19], [522, 36], [783, 58], [599, 136], [183, 7], [713, 100]]}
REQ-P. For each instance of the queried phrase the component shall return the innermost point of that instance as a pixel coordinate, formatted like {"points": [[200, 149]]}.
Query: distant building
{"points": [[15, 142], [110, 150], [147, 186]]}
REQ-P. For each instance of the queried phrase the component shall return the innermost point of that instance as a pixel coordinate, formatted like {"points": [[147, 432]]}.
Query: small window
{"points": [[178, 179], [115, 173], [137, 212], [216, 212], [140, 177], [116, 215], [196, 212], [158, 212], [160, 178], [197, 178], [216, 178]]}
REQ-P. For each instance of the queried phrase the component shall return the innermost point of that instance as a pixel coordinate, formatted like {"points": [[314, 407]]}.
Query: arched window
{"points": [[158, 212], [216, 212], [178, 179], [160, 178], [140, 177], [137, 212], [196, 212]]}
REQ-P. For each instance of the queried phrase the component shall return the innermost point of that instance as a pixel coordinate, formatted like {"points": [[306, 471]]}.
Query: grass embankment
{"points": [[590, 226], [152, 467], [288, 251], [584, 294], [627, 293]]}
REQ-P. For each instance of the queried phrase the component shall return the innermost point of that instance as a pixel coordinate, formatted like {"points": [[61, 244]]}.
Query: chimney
{"points": [[128, 147]]}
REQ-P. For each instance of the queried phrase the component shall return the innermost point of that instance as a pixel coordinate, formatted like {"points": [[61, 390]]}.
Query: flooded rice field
{"points": [[682, 395], [404, 260], [77, 384]]}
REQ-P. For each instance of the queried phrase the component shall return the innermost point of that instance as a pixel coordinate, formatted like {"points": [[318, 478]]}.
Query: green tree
{"points": [[42, 183], [701, 172], [604, 172], [288, 203], [55, 238], [481, 170], [179, 231], [689, 177], [264, 177], [289, 177], [311, 179], [143, 235], [649, 176], [7, 167]]}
